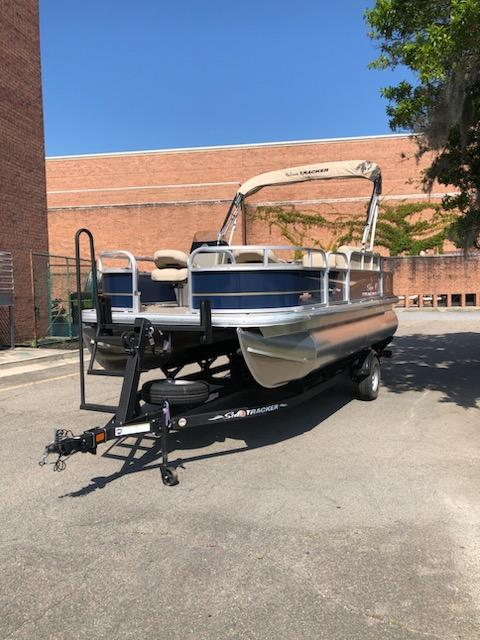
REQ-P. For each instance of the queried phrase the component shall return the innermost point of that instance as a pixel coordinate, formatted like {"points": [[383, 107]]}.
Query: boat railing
{"points": [[252, 278], [265, 253], [134, 293], [337, 278], [322, 278]]}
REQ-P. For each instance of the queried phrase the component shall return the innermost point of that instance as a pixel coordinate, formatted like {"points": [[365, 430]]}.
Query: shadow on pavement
{"points": [[141, 454], [449, 363]]}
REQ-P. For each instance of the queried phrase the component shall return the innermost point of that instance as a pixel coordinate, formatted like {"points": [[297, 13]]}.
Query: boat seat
{"points": [[355, 263], [209, 258], [170, 259], [334, 261], [317, 260], [169, 275], [251, 256], [171, 267]]}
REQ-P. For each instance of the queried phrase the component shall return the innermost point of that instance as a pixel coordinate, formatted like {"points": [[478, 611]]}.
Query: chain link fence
{"points": [[55, 298]]}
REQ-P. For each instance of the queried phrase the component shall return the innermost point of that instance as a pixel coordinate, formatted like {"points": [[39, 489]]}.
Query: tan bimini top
{"points": [[319, 171]]}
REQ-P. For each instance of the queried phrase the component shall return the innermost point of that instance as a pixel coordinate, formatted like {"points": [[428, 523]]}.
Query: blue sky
{"points": [[121, 75]]}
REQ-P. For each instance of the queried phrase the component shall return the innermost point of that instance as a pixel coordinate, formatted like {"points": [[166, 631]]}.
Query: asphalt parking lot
{"points": [[339, 520]]}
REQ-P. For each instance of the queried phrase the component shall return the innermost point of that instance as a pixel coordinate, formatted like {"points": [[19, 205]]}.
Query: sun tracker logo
{"points": [[244, 413], [312, 172], [370, 290], [306, 172]]}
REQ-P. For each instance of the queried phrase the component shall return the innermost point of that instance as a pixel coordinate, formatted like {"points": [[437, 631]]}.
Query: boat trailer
{"points": [[214, 395], [133, 418]]}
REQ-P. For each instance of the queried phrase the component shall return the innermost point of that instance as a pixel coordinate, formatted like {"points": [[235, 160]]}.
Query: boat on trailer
{"points": [[276, 321]]}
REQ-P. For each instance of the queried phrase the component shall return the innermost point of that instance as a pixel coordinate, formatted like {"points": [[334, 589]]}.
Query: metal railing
{"points": [[334, 269], [132, 261], [266, 251], [7, 291]]}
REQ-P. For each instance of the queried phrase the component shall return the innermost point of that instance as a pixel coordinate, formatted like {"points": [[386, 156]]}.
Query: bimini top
{"points": [[319, 171]]}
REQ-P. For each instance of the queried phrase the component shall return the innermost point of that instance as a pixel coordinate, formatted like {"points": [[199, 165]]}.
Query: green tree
{"points": [[439, 41]]}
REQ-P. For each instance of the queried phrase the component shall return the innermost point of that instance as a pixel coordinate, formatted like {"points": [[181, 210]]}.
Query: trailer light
{"points": [[100, 437], [182, 422]]}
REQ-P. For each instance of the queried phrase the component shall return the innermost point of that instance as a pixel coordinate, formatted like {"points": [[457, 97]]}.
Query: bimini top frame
{"points": [[320, 171]]}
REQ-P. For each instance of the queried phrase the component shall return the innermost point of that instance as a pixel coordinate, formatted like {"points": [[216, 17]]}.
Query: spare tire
{"points": [[177, 392]]}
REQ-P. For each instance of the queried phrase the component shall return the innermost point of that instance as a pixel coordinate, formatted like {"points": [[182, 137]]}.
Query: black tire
{"points": [[177, 392], [367, 387]]}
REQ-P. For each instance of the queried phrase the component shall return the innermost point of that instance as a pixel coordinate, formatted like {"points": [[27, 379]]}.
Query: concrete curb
{"points": [[437, 309], [40, 359]]}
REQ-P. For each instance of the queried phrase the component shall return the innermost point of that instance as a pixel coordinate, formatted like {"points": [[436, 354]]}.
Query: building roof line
{"points": [[177, 203], [252, 145], [192, 185]]}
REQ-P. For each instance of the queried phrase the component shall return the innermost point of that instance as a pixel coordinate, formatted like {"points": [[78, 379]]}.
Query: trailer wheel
{"points": [[368, 386], [177, 392]]}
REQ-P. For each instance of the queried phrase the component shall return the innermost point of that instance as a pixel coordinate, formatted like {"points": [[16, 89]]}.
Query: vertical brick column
{"points": [[23, 208]]}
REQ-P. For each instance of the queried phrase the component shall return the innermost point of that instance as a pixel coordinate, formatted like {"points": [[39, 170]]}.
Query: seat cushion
{"points": [[348, 249], [334, 260], [252, 256], [170, 259], [169, 275], [355, 261], [315, 259]]}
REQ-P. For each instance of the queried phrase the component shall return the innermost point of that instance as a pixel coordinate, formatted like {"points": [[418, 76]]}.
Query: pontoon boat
{"points": [[288, 317], [276, 314]]}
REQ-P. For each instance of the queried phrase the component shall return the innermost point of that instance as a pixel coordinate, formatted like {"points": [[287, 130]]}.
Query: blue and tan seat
{"points": [[171, 268]]}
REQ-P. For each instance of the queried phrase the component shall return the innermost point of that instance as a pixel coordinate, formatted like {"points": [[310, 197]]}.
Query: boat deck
{"points": [[173, 315]]}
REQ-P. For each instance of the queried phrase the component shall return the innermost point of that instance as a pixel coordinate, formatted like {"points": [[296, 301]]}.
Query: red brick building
{"points": [[143, 201], [23, 208]]}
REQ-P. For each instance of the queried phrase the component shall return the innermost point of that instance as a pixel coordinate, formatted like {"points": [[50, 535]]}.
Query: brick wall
{"points": [[449, 280], [151, 200], [23, 217]]}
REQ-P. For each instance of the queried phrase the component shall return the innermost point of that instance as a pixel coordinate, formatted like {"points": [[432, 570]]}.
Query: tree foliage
{"points": [[439, 41]]}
